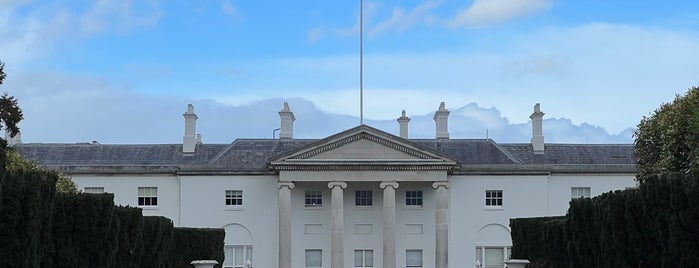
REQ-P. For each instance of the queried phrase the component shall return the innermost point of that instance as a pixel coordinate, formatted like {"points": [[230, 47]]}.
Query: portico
{"points": [[365, 158]]}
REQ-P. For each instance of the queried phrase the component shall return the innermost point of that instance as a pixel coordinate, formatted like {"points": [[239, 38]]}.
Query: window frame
{"points": [[407, 251], [146, 198], [319, 251], [481, 255], [100, 190], [313, 195], [365, 200], [363, 253], [414, 196], [494, 198], [575, 192], [247, 254], [234, 198]]}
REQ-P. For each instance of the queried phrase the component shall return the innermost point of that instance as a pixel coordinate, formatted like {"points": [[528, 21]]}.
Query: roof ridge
{"points": [[505, 152], [220, 154]]}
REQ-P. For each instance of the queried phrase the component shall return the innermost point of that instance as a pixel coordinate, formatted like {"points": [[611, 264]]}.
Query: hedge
{"points": [[197, 244], [652, 226]]}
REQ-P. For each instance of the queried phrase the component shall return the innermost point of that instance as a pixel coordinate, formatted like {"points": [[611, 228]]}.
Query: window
{"points": [[234, 198], [362, 198], [238, 256], [364, 258], [147, 196], [492, 257], [413, 258], [314, 198], [314, 258], [493, 198], [413, 198], [579, 192], [93, 190]]}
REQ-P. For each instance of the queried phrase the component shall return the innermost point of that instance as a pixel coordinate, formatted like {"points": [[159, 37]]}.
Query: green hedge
{"points": [[26, 202], [158, 240], [197, 244], [652, 226], [130, 224]]}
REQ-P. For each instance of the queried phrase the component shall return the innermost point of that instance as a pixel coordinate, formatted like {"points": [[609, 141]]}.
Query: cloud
{"points": [[492, 12], [315, 34], [79, 108], [228, 8], [401, 20], [30, 35], [121, 16]]}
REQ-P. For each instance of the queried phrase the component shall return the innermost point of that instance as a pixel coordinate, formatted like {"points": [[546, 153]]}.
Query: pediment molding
{"points": [[332, 153]]}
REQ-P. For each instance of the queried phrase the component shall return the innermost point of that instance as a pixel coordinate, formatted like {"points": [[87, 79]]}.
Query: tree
{"points": [[668, 140], [10, 113]]}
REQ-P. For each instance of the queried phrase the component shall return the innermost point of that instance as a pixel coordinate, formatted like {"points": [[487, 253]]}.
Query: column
{"points": [[337, 259], [389, 224], [284, 199], [441, 224]]}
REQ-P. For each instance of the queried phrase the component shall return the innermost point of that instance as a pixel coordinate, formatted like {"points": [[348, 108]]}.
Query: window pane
{"points": [[369, 258], [314, 258], [228, 256], [238, 255], [358, 258], [479, 254], [248, 254], [413, 258], [494, 258]]}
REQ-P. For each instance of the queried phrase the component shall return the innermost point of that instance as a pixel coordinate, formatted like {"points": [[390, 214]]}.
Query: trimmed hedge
{"points": [[197, 244], [39, 228], [26, 203], [652, 226]]}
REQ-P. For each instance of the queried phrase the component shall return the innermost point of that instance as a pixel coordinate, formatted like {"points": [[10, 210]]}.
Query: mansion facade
{"points": [[358, 198]]}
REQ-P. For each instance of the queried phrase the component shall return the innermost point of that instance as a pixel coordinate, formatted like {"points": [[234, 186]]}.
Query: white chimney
{"points": [[441, 117], [190, 139], [537, 130], [286, 131], [403, 123], [12, 141]]}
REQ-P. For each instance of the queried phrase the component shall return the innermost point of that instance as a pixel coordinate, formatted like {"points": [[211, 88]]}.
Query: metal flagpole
{"points": [[361, 62]]}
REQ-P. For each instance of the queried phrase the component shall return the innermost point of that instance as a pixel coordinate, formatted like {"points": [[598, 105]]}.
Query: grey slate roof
{"points": [[252, 156]]}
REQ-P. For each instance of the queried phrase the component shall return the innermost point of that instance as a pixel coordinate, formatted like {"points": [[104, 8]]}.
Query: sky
{"points": [[123, 71]]}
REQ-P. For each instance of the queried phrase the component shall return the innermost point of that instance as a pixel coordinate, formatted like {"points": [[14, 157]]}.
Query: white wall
{"points": [[125, 190]]}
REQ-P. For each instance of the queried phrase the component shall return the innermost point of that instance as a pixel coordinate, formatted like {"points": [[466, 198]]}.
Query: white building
{"points": [[359, 198]]}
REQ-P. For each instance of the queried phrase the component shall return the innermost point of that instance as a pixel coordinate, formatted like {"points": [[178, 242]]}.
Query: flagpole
{"points": [[361, 63]]}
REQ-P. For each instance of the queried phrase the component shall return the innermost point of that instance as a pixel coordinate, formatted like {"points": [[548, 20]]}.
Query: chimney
{"points": [[403, 123], [537, 130], [12, 141], [286, 131], [190, 139], [441, 117]]}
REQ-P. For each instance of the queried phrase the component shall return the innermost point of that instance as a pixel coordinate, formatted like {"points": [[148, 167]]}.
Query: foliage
{"points": [[158, 239], [16, 162], [197, 244], [130, 221], [668, 140], [652, 226], [26, 205]]}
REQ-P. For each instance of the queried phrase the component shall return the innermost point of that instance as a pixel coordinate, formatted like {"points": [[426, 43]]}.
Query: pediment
{"points": [[363, 148]]}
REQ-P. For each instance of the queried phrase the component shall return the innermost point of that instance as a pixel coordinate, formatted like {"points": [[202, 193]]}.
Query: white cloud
{"points": [[315, 34], [401, 20], [491, 12], [30, 36], [121, 16], [228, 8]]}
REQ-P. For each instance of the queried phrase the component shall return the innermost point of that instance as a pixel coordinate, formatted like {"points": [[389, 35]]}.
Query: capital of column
{"points": [[290, 185], [332, 184], [444, 184], [385, 184]]}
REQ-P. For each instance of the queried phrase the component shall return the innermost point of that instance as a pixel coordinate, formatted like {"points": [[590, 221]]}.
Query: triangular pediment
{"points": [[363, 147]]}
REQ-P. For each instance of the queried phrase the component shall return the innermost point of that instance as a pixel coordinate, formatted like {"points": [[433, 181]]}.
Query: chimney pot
{"points": [[537, 130], [190, 139], [403, 124], [286, 130]]}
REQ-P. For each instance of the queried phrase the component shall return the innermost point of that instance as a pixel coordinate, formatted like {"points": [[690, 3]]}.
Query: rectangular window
{"points": [[314, 198], [147, 196], [492, 257], [362, 198], [93, 190], [234, 197], [413, 258], [314, 258], [493, 198], [237, 256], [413, 198], [579, 192], [364, 258]]}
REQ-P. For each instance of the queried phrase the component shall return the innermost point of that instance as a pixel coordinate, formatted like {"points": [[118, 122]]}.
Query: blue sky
{"points": [[76, 66]]}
